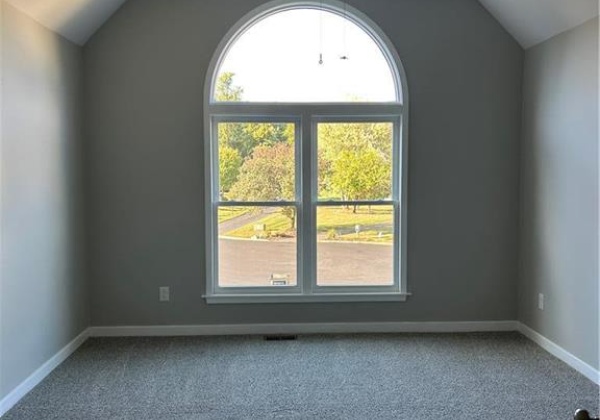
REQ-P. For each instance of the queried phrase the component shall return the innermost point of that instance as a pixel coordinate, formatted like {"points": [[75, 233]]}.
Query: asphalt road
{"points": [[253, 263]]}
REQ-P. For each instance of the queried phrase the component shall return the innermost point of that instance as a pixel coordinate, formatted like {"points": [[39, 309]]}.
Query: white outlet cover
{"points": [[163, 294]]}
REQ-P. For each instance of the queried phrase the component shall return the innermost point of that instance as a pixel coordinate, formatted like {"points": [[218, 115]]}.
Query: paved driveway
{"points": [[253, 263]]}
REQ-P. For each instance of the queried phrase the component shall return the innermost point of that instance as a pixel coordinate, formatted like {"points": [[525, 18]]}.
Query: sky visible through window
{"points": [[277, 60]]}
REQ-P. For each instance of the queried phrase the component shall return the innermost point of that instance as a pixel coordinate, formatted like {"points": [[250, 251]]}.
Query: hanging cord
{"points": [[321, 34], [344, 55]]}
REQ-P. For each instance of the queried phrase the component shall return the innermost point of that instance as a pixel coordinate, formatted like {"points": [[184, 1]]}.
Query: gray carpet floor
{"points": [[404, 376]]}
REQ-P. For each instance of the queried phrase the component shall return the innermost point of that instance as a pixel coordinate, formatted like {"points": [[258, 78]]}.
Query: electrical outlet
{"points": [[164, 294], [541, 301]]}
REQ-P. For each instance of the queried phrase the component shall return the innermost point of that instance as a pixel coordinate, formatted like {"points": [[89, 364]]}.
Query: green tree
{"points": [[341, 150], [268, 175], [244, 137], [256, 160], [230, 159], [270, 133], [230, 163], [336, 137], [324, 176], [234, 135], [225, 90], [361, 175]]}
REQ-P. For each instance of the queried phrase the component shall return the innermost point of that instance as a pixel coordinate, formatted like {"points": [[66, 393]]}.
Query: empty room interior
{"points": [[299, 209]]}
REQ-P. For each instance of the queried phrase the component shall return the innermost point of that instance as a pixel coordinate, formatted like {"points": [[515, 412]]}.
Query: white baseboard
{"points": [[306, 328], [554, 349], [36, 377]]}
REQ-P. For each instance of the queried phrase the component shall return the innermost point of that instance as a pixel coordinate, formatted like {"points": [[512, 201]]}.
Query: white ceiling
{"points": [[534, 21], [529, 21], [76, 20]]}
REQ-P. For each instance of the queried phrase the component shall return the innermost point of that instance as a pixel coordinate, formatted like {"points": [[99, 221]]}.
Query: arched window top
{"points": [[307, 53]]}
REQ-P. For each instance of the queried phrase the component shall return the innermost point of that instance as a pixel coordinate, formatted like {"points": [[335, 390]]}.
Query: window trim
{"points": [[306, 116]]}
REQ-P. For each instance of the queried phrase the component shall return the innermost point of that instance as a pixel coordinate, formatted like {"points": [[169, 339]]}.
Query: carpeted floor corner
{"points": [[366, 377]]}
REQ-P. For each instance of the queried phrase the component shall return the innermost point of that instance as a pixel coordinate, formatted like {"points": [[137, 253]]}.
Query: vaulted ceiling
{"points": [[76, 20], [529, 21], [533, 21]]}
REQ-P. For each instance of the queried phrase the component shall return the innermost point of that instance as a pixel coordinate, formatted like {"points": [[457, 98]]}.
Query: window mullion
{"points": [[308, 227]]}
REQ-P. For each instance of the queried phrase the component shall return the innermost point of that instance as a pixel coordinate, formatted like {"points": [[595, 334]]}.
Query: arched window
{"points": [[305, 113]]}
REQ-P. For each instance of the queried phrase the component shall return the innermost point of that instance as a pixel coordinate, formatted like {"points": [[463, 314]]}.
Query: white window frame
{"points": [[306, 117]]}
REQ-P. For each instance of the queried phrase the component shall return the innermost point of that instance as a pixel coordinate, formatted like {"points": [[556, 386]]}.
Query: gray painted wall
{"points": [[144, 80], [560, 191], [43, 300]]}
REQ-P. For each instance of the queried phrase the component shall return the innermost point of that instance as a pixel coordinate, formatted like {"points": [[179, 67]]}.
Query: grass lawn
{"points": [[277, 224], [333, 223], [227, 213], [367, 236], [339, 224], [344, 219]]}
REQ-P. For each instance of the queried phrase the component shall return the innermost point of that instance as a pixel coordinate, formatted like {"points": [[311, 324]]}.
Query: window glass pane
{"points": [[305, 55], [355, 161], [257, 246], [256, 161], [355, 246]]}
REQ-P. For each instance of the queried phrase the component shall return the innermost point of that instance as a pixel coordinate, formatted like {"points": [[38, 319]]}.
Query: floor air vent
{"points": [[280, 337]]}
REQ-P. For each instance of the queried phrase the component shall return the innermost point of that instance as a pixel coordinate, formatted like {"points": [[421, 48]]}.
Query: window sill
{"points": [[298, 298]]}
